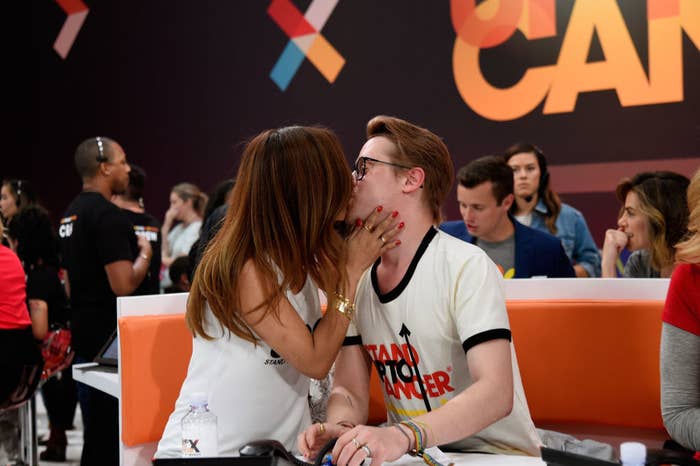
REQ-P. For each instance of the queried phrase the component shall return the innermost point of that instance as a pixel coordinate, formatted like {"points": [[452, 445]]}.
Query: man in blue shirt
{"points": [[485, 194]]}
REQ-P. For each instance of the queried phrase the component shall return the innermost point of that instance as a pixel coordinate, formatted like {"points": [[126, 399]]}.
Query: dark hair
{"points": [[283, 222], [419, 147], [180, 266], [544, 191], [22, 191], [137, 182], [38, 243], [90, 153], [489, 168], [217, 197], [662, 198]]}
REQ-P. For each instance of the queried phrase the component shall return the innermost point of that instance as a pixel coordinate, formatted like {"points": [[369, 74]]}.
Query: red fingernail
{"points": [[395, 213], [401, 225], [358, 222], [379, 209], [398, 241]]}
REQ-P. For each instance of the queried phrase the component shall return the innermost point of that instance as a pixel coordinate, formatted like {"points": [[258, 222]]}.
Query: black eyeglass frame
{"points": [[359, 168]]}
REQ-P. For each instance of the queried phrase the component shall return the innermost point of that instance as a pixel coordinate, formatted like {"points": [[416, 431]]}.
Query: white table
{"points": [[103, 378], [471, 459]]}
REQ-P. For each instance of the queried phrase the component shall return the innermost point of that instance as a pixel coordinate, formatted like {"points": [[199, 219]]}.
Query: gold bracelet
{"points": [[344, 306], [145, 257]]}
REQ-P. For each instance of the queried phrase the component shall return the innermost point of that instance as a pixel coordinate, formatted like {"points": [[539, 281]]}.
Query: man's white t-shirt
{"points": [[450, 300], [254, 393]]}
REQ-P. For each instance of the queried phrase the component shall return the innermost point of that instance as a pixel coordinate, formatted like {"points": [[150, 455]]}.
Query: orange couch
{"points": [[581, 361]]}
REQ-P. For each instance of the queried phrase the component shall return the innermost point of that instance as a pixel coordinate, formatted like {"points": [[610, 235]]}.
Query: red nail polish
{"points": [[395, 213], [379, 209], [358, 222], [398, 241], [401, 225]]}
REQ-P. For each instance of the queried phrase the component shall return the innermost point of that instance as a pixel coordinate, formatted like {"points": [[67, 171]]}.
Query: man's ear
{"points": [[508, 201], [415, 177], [104, 169]]}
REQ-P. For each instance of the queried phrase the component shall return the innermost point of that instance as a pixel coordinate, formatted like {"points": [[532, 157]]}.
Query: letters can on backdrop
{"points": [[606, 87]]}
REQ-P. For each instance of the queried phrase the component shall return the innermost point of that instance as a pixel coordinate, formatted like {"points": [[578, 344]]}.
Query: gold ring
{"points": [[367, 227], [356, 443], [367, 450], [382, 239], [321, 428]]}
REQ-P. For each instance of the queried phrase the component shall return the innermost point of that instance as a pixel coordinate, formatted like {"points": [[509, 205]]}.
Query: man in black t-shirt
{"points": [[131, 201], [97, 241]]}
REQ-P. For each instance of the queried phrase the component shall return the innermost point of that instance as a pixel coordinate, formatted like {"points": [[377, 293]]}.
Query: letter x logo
{"points": [[305, 40]]}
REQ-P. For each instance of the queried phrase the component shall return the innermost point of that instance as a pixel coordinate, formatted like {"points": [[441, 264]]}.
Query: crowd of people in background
{"points": [[107, 245]]}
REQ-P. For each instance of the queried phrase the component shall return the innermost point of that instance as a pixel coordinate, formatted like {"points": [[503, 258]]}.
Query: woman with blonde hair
{"points": [[652, 220], [254, 306], [680, 335], [187, 203]]}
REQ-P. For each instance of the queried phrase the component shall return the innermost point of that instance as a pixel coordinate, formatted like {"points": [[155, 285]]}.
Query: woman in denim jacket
{"points": [[537, 206]]}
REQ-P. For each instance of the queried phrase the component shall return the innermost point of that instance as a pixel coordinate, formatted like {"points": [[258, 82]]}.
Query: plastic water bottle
{"points": [[633, 454], [199, 436]]}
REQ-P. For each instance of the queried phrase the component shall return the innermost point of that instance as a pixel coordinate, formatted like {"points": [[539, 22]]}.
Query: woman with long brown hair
{"points": [[254, 298], [653, 218]]}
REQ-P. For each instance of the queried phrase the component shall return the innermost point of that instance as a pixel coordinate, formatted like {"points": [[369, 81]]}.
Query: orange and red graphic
{"points": [[493, 22], [77, 12], [305, 40], [397, 366]]}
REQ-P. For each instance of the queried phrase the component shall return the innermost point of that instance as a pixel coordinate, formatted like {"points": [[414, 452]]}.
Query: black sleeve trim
{"points": [[350, 341], [488, 335]]}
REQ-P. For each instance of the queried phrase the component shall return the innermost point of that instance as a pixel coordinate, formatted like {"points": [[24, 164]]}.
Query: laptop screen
{"points": [[109, 353]]}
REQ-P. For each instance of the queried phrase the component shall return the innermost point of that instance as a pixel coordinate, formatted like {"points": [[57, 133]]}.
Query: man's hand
{"points": [[382, 444], [144, 245]]}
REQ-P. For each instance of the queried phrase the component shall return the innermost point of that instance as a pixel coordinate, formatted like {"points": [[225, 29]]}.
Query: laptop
{"points": [[109, 353]]}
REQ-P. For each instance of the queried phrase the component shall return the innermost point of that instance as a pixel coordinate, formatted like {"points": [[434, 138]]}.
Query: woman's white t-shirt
{"points": [[254, 393]]}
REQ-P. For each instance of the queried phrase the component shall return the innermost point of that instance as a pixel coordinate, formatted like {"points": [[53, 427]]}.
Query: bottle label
{"points": [[200, 441]]}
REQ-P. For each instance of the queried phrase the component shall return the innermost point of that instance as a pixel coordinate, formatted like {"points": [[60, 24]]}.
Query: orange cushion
{"points": [[377, 408], [155, 353], [591, 361]]}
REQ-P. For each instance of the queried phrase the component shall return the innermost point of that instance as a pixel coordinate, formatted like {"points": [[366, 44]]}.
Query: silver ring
{"points": [[382, 239], [367, 450], [356, 443]]}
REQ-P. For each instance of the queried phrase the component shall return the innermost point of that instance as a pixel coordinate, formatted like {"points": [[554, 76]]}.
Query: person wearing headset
{"points": [[98, 244], [538, 206], [15, 196]]}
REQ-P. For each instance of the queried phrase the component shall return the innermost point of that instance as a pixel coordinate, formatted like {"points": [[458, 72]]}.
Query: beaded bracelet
{"points": [[344, 306], [419, 448]]}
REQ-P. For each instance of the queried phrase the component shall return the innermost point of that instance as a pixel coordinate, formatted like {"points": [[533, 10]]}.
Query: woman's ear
{"points": [[415, 177]]}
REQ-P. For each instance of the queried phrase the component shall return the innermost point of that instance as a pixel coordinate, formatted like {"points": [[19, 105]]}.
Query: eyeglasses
{"points": [[359, 169]]}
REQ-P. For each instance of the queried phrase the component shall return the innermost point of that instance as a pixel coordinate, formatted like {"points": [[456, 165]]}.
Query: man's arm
{"points": [[487, 400], [348, 403], [349, 398], [125, 276]]}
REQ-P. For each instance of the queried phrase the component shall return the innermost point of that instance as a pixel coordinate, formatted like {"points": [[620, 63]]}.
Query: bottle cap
{"points": [[198, 399], [633, 453]]}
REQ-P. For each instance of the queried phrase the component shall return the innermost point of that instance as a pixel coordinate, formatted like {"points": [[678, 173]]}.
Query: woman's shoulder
{"points": [[570, 211]]}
